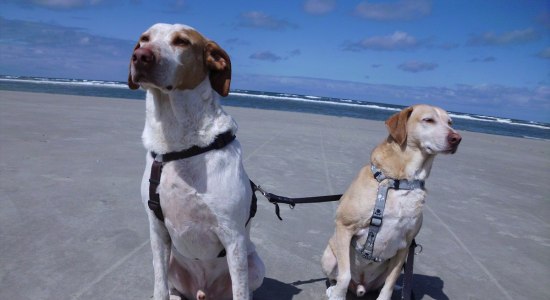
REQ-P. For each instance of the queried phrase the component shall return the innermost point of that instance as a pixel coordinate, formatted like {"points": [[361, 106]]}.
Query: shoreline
{"points": [[70, 179], [301, 103]]}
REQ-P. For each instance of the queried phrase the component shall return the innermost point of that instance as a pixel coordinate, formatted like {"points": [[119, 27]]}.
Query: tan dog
{"points": [[206, 198], [417, 134]]}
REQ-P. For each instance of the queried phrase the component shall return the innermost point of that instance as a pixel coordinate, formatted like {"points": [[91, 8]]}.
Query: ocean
{"points": [[281, 101]]}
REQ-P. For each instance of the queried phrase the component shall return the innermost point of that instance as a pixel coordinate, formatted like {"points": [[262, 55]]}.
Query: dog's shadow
{"points": [[423, 285], [275, 289]]}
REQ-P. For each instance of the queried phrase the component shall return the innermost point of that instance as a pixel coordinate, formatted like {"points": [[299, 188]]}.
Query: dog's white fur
{"points": [[417, 134], [206, 198]]}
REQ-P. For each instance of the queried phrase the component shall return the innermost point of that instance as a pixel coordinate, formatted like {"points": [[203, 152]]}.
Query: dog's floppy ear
{"points": [[131, 84], [218, 63], [397, 125]]}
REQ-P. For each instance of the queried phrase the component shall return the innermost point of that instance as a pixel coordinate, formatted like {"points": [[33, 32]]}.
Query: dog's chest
{"points": [[197, 206], [402, 215], [190, 220]]}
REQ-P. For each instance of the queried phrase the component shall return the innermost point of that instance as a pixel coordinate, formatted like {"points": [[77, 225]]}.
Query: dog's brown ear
{"points": [[397, 125], [131, 84], [219, 64]]}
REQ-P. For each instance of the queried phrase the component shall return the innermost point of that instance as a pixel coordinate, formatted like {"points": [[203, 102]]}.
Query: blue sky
{"points": [[488, 57]]}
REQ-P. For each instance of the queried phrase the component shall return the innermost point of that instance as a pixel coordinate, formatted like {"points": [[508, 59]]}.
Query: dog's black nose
{"points": [[143, 57], [454, 139]]}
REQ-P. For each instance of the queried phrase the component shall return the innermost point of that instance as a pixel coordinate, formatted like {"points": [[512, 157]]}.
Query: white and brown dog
{"points": [[416, 135], [205, 199]]}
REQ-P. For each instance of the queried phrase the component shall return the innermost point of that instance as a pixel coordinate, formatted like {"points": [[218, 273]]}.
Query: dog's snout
{"points": [[454, 139], [143, 57]]}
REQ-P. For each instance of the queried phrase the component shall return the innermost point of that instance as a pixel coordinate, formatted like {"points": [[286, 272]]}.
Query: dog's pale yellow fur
{"points": [[417, 134]]}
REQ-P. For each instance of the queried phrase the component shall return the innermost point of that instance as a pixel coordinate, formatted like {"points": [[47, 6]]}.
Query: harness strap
{"points": [[367, 251], [154, 198], [219, 142], [384, 184], [253, 204]]}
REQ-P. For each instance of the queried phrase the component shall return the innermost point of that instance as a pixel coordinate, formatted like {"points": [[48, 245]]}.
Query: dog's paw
{"points": [[384, 296], [331, 294], [329, 291]]}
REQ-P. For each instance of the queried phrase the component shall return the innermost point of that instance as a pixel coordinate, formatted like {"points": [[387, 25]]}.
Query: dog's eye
{"points": [[181, 41], [144, 39], [428, 120]]}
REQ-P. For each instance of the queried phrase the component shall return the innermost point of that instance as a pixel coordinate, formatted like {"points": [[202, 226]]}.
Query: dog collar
{"points": [[398, 184], [384, 184], [219, 142]]}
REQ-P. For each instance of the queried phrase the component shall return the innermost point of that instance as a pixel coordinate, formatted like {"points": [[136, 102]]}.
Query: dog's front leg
{"points": [[160, 244], [341, 245], [396, 264], [237, 261]]}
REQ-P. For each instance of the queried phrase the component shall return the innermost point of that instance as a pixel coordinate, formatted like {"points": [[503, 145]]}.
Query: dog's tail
{"points": [[360, 291], [201, 295]]}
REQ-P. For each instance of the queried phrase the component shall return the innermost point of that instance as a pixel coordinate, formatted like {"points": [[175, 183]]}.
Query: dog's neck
{"points": [[180, 119], [402, 162]]}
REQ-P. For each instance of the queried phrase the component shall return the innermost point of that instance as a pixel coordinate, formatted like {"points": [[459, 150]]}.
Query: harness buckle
{"points": [[396, 184], [376, 221], [368, 256]]}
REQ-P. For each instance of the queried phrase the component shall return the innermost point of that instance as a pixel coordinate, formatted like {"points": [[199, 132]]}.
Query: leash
{"points": [[406, 292], [366, 251], [226, 138], [276, 199]]}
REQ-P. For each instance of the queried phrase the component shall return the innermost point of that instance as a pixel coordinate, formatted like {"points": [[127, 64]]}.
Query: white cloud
{"points": [[295, 52], [446, 46], [62, 4], [545, 53], [265, 55], [485, 59], [319, 7], [85, 40], [506, 38], [399, 10], [42, 49], [257, 19], [397, 41], [417, 66], [237, 41], [272, 57]]}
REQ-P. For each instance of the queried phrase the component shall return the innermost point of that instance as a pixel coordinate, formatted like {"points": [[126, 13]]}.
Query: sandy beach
{"points": [[72, 225]]}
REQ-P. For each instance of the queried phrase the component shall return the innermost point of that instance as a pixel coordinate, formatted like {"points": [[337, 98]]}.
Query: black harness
{"points": [[219, 142]]}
